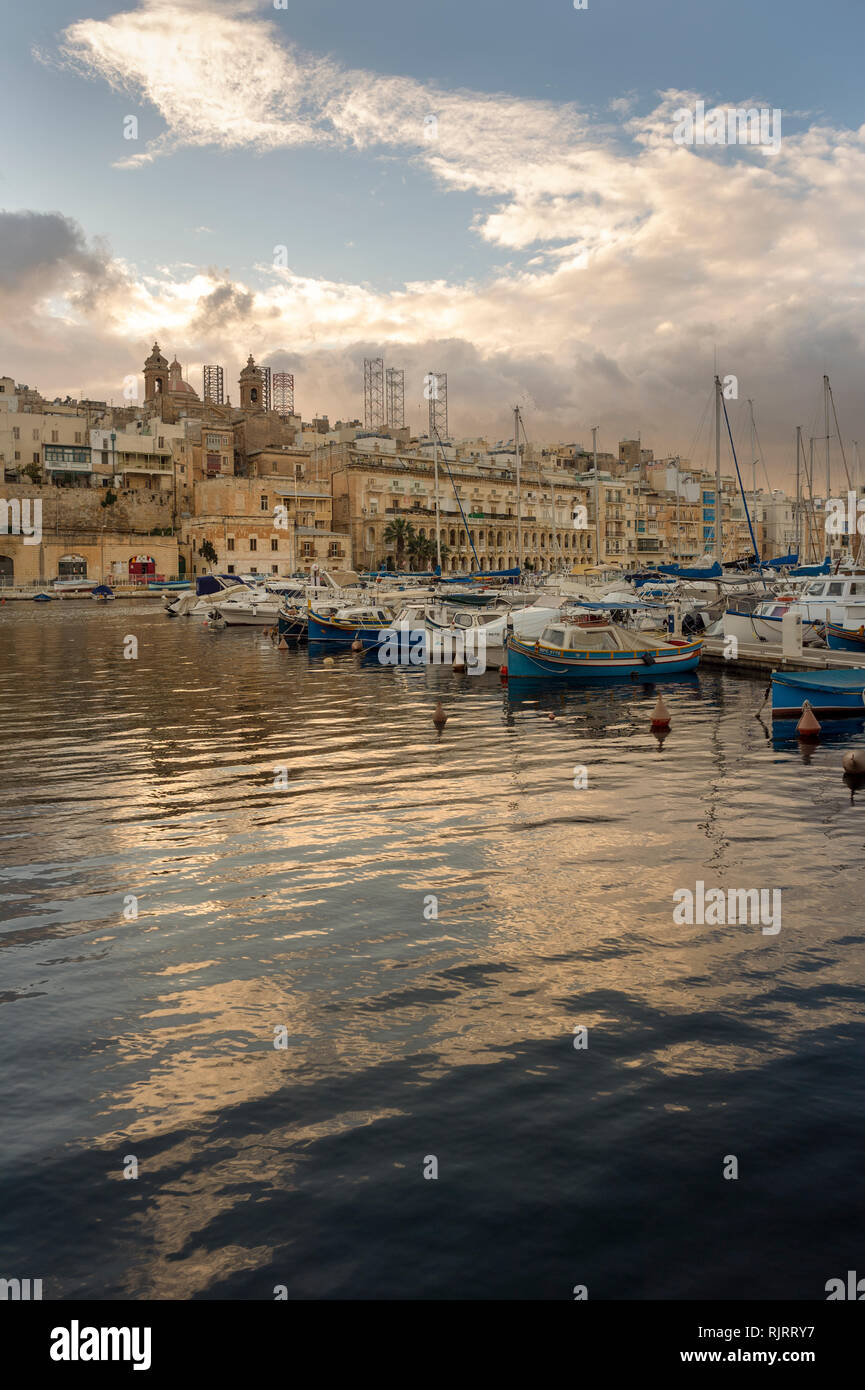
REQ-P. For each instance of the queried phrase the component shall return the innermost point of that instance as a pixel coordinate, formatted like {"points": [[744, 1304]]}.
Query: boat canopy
{"points": [[482, 576], [713, 572], [812, 569]]}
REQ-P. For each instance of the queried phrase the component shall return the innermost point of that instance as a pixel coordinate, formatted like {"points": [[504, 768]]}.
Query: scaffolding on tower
{"points": [[283, 393], [213, 385], [373, 393], [266, 387]]}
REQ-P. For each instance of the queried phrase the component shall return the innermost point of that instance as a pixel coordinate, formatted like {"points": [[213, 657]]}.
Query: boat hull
{"points": [[530, 661], [831, 694], [842, 639], [321, 629], [292, 629]]}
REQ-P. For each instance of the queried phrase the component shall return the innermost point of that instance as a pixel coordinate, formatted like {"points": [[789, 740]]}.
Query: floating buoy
{"points": [[854, 761], [328, 661], [660, 714], [283, 645], [439, 717], [808, 726], [503, 672], [551, 715], [357, 646]]}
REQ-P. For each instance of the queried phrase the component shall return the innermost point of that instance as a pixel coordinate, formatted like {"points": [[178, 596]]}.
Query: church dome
{"points": [[176, 385]]}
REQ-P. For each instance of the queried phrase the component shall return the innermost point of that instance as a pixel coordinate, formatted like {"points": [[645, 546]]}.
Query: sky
{"points": [[492, 190]]}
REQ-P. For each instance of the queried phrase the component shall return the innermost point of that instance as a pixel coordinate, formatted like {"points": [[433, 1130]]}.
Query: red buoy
{"points": [[808, 726]]}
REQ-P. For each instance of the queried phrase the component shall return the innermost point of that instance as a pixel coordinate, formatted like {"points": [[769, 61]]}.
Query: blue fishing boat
{"points": [[349, 625], [102, 593], [588, 649], [845, 639], [831, 694], [291, 625]]}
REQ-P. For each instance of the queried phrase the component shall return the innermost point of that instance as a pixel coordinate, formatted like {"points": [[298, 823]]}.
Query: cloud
{"points": [[633, 259], [39, 249]]}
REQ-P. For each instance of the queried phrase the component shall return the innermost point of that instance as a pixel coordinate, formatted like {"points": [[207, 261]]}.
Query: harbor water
{"points": [[293, 984]]}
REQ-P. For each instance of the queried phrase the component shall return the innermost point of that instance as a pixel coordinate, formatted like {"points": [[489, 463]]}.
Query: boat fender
{"points": [[648, 659]]}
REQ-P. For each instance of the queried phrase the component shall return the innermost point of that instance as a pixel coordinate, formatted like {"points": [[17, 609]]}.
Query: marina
{"points": [[432, 678], [306, 849]]}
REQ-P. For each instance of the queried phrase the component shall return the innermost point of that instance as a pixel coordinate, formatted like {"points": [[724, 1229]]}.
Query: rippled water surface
{"points": [[408, 1036]]}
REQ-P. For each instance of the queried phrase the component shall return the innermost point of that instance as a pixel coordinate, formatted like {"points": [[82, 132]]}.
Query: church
{"points": [[169, 397]]}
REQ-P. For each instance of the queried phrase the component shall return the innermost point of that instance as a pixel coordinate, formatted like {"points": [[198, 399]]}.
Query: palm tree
{"points": [[400, 534]]}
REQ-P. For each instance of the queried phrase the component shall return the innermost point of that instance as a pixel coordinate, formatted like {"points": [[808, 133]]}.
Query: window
{"points": [[36, 435], [231, 567], [77, 436], [253, 543], [16, 432], [54, 436], [35, 458], [274, 544], [231, 542], [253, 569], [835, 589], [264, 506], [274, 569]]}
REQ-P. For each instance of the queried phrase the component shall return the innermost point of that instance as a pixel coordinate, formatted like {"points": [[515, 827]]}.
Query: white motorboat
{"points": [[248, 608], [835, 598]]}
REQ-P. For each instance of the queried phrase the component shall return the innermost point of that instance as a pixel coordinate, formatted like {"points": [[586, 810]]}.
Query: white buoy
{"points": [[660, 714], [854, 761], [808, 727]]}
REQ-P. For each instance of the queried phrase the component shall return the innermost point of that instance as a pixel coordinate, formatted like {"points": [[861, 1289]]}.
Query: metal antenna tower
{"points": [[373, 393], [438, 403], [395, 393]]}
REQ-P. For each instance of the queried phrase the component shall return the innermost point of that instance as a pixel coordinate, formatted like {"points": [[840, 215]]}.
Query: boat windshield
{"points": [[815, 590]]}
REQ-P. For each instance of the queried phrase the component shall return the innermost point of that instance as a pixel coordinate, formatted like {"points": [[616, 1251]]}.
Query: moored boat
{"points": [[831, 694], [588, 649], [845, 639], [349, 625]]}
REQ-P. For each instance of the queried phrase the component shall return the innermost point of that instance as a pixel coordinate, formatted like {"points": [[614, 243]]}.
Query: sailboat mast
{"points": [[438, 513], [798, 489], [812, 524], [597, 496], [678, 522], [753, 452], [719, 551], [519, 496], [826, 412]]}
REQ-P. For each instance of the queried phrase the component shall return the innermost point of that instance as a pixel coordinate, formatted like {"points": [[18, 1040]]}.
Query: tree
{"points": [[207, 552], [33, 471], [419, 549], [399, 533], [109, 499]]}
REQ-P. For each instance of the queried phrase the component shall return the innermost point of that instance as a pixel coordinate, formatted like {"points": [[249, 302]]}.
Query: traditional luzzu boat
{"points": [[831, 694], [348, 625], [291, 624], [590, 648], [845, 639]]}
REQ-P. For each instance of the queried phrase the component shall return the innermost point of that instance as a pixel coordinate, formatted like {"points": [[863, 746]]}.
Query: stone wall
{"points": [[136, 510]]}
